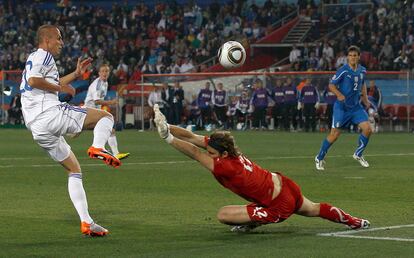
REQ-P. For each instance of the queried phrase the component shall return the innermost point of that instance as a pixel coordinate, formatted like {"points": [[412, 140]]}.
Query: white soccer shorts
{"points": [[49, 127]]}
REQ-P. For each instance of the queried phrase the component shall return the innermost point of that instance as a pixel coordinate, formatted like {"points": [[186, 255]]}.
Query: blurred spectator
{"points": [[15, 111], [401, 62], [290, 105], [330, 99], [231, 113], [243, 108], [259, 102], [309, 102], [158, 96], [204, 101], [175, 101], [294, 55], [278, 97], [219, 100], [195, 114]]}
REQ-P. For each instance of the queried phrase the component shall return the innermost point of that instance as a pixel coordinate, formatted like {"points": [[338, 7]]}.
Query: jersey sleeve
{"points": [[338, 77], [38, 66]]}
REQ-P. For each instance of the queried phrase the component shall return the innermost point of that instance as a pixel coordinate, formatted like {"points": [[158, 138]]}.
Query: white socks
{"points": [[78, 196], [102, 131], [112, 142]]}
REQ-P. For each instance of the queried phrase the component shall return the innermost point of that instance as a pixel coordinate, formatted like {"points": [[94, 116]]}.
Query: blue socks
{"points": [[324, 149], [362, 144]]}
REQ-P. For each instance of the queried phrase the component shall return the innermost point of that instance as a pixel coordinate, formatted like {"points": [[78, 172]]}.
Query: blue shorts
{"points": [[343, 118]]}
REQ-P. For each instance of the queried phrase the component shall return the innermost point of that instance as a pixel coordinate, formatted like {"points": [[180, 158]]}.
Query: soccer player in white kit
{"points": [[49, 119], [95, 98]]}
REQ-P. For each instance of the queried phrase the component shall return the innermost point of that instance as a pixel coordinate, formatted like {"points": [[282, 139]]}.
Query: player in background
{"points": [[95, 98], [348, 84], [274, 196], [49, 119]]}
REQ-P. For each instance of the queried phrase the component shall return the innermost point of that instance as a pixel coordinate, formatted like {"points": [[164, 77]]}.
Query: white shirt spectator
{"points": [[328, 51], [340, 61], [186, 67], [294, 55]]}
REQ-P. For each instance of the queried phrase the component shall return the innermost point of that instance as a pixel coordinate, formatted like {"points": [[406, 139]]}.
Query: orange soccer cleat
{"points": [[105, 156], [93, 229]]}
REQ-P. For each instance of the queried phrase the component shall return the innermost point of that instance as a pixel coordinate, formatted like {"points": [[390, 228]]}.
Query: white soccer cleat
{"points": [[243, 228], [361, 160], [320, 164]]}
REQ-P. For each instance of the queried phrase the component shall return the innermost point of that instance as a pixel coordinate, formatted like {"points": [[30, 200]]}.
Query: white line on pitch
{"points": [[174, 162], [377, 238], [350, 233]]}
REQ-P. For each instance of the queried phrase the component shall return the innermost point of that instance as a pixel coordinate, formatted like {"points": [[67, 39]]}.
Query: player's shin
{"points": [[362, 144], [78, 196], [102, 131], [324, 149], [334, 214], [113, 144]]}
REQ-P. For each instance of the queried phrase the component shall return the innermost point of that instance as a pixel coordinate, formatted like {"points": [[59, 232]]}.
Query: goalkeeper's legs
{"points": [[329, 212]]}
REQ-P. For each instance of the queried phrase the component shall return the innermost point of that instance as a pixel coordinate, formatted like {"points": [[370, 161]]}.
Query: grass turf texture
{"points": [[155, 207]]}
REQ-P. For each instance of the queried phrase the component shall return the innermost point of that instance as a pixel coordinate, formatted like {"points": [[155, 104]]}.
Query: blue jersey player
{"points": [[348, 84]]}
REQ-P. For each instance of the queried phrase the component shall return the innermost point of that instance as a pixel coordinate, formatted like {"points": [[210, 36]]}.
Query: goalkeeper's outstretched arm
{"points": [[185, 135], [192, 151]]}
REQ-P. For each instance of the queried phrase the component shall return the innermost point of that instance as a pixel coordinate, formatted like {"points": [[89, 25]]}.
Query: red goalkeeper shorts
{"points": [[288, 201]]}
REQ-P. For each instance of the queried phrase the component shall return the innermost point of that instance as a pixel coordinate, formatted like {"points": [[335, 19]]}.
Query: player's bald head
{"points": [[44, 32]]}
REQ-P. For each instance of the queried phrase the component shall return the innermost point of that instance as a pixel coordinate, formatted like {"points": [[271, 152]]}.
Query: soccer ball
{"points": [[231, 54]]}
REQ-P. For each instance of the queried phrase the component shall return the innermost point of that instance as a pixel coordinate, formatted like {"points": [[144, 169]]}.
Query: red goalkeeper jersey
{"points": [[245, 179]]}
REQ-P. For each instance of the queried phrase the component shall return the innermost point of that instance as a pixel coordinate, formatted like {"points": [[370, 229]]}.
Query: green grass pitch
{"points": [[161, 204]]}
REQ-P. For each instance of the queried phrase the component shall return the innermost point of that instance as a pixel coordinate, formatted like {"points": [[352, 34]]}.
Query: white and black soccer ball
{"points": [[231, 54]]}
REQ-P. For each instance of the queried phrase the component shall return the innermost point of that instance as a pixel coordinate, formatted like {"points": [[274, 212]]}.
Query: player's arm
{"points": [[42, 84], [192, 151], [185, 135], [365, 96], [335, 90], [81, 67]]}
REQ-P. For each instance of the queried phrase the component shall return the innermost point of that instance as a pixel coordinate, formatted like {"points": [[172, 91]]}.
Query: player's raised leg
{"points": [[102, 123], [329, 212], [362, 143], [78, 197]]}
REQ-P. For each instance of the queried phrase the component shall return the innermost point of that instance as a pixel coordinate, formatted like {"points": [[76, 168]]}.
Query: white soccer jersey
{"points": [[96, 91], [39, 64]]}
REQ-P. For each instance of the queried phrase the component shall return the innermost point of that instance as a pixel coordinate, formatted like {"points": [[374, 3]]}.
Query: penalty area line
{"points": [[352, 233]]}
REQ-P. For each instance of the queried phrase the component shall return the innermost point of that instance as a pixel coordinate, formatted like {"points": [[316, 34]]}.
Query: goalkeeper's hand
{"points": [[161, 123]]}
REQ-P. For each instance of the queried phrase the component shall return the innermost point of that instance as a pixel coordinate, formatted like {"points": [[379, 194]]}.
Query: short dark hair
{"points": [[355, 49], [43, 32]]}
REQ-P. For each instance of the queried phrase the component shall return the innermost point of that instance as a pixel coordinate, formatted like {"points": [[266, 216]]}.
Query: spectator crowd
{"points": [[385, 35], [135, 39]]}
